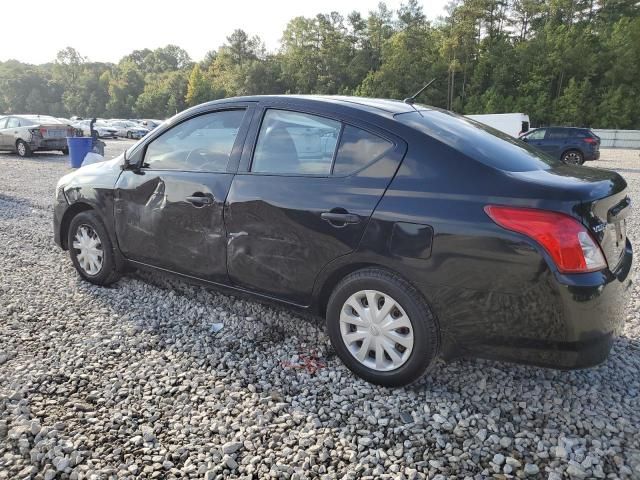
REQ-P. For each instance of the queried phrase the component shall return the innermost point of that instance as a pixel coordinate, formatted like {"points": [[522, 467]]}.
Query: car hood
{"points": [[97, 175]]}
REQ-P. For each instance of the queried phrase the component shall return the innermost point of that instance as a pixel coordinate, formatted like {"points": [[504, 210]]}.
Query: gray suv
{"points": [[25, 134]]}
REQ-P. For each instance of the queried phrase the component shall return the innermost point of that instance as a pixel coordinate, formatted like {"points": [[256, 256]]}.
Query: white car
{"points": [[129, 129], [104, 130]]}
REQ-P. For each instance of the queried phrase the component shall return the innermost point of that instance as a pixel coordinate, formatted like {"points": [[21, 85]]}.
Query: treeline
{"points": [[572, 62]]}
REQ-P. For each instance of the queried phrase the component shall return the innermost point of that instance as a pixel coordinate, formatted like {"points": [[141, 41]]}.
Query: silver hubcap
{"points": [[572, 157], [21, 149], [376, 330], [88, 249]]}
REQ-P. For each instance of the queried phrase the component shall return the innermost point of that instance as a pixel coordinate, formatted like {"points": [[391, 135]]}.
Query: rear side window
{"points": [[295, 143], [358, 148], [557, 133]]}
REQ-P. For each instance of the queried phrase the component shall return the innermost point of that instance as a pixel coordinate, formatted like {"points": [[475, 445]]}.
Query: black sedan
{"points": [[415, 232]]}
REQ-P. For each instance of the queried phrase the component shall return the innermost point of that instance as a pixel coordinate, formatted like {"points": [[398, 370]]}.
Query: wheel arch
{"points": [[71, 212]]}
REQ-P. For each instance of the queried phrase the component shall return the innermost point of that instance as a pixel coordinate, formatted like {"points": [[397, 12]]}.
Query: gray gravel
{"points": [[132, 382]]}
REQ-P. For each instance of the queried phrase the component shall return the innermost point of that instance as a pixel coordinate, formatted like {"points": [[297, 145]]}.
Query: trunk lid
{"points": [[54, 131]]}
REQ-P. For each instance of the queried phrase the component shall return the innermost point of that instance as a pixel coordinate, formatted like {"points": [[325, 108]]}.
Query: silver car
{"points": [[25, 134]]}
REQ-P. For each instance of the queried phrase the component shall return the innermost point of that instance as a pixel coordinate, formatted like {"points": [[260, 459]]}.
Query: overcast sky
{"points": [[106, 30]]}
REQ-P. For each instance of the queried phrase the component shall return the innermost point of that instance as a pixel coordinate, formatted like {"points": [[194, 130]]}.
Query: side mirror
{"points": [[524, 139]]}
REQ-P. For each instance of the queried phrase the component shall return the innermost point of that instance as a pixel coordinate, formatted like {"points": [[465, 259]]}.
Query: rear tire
{"points": [[398, 343], [91, 249], [572, 157], [129, 135], [23, 149], [65, 151]]}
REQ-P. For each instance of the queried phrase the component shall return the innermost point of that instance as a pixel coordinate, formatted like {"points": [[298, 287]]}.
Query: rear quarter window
{"points": [[477, 141], [358, 148]]}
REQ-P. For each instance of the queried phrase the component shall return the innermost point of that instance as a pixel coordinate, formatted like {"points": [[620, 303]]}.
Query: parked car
{"points": [[25, 134], [415, 232], [104, 129], [514, 124], [128, 129], [571, 145], [150, 124]]}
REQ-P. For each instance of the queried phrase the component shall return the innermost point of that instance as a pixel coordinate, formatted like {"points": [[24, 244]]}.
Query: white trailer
{"points": [[513, 124]]}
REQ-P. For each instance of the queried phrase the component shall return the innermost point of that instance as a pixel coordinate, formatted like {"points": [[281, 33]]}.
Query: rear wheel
{"points": [[91, 250], [573, 157], [129, 135], [382, 328], [65, 151], [22, 148]]}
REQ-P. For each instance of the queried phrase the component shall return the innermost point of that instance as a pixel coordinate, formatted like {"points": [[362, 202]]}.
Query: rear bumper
{"points": [[569, 322], [48, 143], [588, 156]]}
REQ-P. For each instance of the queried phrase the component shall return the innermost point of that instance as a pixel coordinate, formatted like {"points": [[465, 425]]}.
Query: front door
{"points": [[304, 200], [169, 213], [3, 133]]}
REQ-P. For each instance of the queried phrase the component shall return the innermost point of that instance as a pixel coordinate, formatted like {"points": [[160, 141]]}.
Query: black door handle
{"points": [[199, 200], [333, 217]]}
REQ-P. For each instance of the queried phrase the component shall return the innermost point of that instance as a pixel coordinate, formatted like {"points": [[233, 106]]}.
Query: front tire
{"points": [[91, 250], [22, 149], [382, 328], [573, 157], [129, 135]]}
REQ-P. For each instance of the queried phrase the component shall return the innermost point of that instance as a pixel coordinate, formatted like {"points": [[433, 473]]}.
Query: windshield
{"points": [[478, 141]]}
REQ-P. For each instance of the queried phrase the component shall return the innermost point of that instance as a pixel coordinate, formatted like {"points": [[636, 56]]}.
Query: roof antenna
{"points": [[412, 99]]}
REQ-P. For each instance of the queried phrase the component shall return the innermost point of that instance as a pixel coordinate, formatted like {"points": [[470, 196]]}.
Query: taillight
{"points": [[36, 132], [590, 140], [568, 242]]}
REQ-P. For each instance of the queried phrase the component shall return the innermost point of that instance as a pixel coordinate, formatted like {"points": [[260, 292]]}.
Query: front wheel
{"points": [[573, 157], [382, 328], [22, 148], [91, 250], [129, 135]]}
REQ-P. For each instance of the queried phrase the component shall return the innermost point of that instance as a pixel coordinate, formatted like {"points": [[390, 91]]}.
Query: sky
{"points": [[107, 30]]}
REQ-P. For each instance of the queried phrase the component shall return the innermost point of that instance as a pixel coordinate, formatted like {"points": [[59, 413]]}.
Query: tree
{"points": [[198, 88]]}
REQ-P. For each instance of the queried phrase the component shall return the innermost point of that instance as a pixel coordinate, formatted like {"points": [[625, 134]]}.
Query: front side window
{"points": [[13, 122], [358, 148], [537, 134], [295, 143], [203, 143], [3, 122]]}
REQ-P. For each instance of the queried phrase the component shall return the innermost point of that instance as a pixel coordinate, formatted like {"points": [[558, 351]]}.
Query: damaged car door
{"points": [[169, 206]]}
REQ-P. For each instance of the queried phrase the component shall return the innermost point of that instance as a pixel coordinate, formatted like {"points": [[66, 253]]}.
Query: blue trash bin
{"points": [[78, 148]]}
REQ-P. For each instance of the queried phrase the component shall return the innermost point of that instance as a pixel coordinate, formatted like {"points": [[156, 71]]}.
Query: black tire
{"points": [[425, 328], [129, 135], [65, 151], [572, 157], [22, 149], [108, 272]]}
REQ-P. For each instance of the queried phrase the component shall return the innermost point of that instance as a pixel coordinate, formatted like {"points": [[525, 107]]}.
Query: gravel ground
{"points": [[132, 382]]}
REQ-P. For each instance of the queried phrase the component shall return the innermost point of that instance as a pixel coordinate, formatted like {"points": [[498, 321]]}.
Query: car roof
{"points": [[380, 106]]}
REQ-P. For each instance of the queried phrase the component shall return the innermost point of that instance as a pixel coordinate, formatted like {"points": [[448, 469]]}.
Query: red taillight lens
{"points": [[566, 240], [590, 140]]}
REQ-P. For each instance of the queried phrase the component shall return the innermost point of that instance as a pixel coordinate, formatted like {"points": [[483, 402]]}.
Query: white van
{"points": [[514, 124]]}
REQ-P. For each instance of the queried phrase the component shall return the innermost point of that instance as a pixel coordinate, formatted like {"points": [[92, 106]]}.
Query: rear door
{"points": [[302, 198], [555, 142], [169, 213]]}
